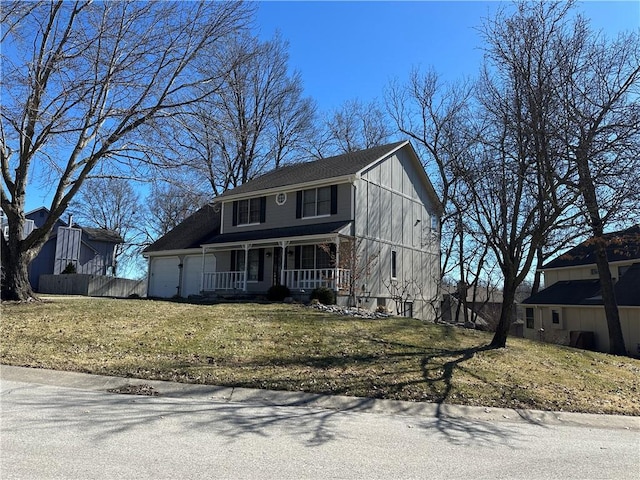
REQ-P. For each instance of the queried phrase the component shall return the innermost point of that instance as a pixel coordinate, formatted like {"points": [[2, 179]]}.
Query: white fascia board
{"points": [[381, 158], [288, 188], [173, 253], [309, 239]]}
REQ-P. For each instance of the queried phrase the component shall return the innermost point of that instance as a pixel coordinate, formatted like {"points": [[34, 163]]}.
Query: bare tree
{"points": [[437, 117], [353, 257], [113, 204], [600, 87], [353, 126], [517, 178], [569, 104], [258, 120], [80, 81], [168, 205]]}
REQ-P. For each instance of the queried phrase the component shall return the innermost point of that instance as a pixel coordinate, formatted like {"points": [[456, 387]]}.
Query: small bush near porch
{"points": [[291, 347]]}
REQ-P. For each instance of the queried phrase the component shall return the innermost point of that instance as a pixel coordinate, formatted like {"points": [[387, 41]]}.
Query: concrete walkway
{"points": [[101, 383]]}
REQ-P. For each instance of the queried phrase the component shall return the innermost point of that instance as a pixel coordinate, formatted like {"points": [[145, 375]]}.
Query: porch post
{"points": [[202, 272], [337, 265], [283, 246], [246, 266]]}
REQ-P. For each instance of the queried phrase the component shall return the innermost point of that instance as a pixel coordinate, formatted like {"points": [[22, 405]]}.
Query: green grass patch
{"points": [[290, 347]]}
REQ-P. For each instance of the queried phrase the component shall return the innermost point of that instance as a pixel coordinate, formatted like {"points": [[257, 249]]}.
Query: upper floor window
{"points": [[317, 202], [249, 211]]}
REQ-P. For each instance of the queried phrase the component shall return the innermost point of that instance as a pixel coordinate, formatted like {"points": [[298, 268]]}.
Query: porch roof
{"points": [[273, 234], [587, 292]]}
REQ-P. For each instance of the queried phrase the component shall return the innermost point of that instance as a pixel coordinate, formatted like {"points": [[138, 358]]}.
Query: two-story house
{"points": [[570, 311], [364, 224]]}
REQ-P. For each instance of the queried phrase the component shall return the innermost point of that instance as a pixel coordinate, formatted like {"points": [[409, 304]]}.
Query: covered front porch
{"points": [[252, 262]]}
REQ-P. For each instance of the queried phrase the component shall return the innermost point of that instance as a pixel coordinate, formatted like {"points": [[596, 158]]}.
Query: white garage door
{"points": [[163, 279], [192, 273]]}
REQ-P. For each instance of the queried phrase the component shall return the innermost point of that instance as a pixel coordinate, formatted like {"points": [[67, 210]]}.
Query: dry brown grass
{"points": [[295, 348]]}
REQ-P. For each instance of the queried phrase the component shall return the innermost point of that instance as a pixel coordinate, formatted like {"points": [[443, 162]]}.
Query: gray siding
{"points": [[394, 213], [278, 216]]}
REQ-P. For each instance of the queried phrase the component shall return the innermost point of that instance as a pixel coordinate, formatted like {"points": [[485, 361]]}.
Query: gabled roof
{"points": [[587, 292], [190, 233], [621, 245], [325, 168]]}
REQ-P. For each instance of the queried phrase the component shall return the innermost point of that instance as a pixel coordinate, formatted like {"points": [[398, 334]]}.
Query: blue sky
{"points": [[351, 50], [348, 50]]}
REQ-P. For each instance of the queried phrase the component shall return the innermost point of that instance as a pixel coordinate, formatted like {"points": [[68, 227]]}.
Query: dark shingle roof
{"points": [[565, 292], [628, 287], [191, 232], [587, 292], [622, 245], [274, 233], [102, 235], [325, 168]]}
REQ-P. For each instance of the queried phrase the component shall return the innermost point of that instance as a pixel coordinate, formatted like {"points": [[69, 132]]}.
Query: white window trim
{"points": [[284, 200], [303, 216], [248, 200]]}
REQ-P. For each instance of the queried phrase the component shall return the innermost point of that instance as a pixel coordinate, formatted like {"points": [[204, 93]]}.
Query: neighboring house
{"points": [[570, 310], [89, 250], [483, 304], [300, 226]]}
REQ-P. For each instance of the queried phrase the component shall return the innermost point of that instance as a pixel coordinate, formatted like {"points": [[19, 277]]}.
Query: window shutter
{"points": [[263, 209], [334, 199], [234, 220], [297, 257], [260, 264], [232, 267], [299, 204]]}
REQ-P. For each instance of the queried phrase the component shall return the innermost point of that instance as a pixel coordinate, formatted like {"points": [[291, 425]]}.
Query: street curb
{"points": [[85, 381]]}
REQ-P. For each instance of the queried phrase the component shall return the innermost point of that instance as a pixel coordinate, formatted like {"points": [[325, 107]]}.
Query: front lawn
{"points": [[291, 347]]}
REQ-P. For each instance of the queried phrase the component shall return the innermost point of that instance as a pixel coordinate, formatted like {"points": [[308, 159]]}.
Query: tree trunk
{"points": [[587, 187], [616, 339], [536, 279], [506, 314], [15, 278]]}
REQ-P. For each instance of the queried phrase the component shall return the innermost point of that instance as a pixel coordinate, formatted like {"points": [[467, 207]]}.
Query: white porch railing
{"points": [[333, 278], [223, 281]]}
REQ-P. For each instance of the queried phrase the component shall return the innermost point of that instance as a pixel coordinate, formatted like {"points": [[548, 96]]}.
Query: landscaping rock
{"points": [[348, 311]]}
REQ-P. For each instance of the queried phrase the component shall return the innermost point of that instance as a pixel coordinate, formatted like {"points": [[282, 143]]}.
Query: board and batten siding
{"points": [[279, 216], [393, 213]]}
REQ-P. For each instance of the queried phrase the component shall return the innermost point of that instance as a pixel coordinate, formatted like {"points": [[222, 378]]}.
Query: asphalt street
{"points": [[67, 425]]}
